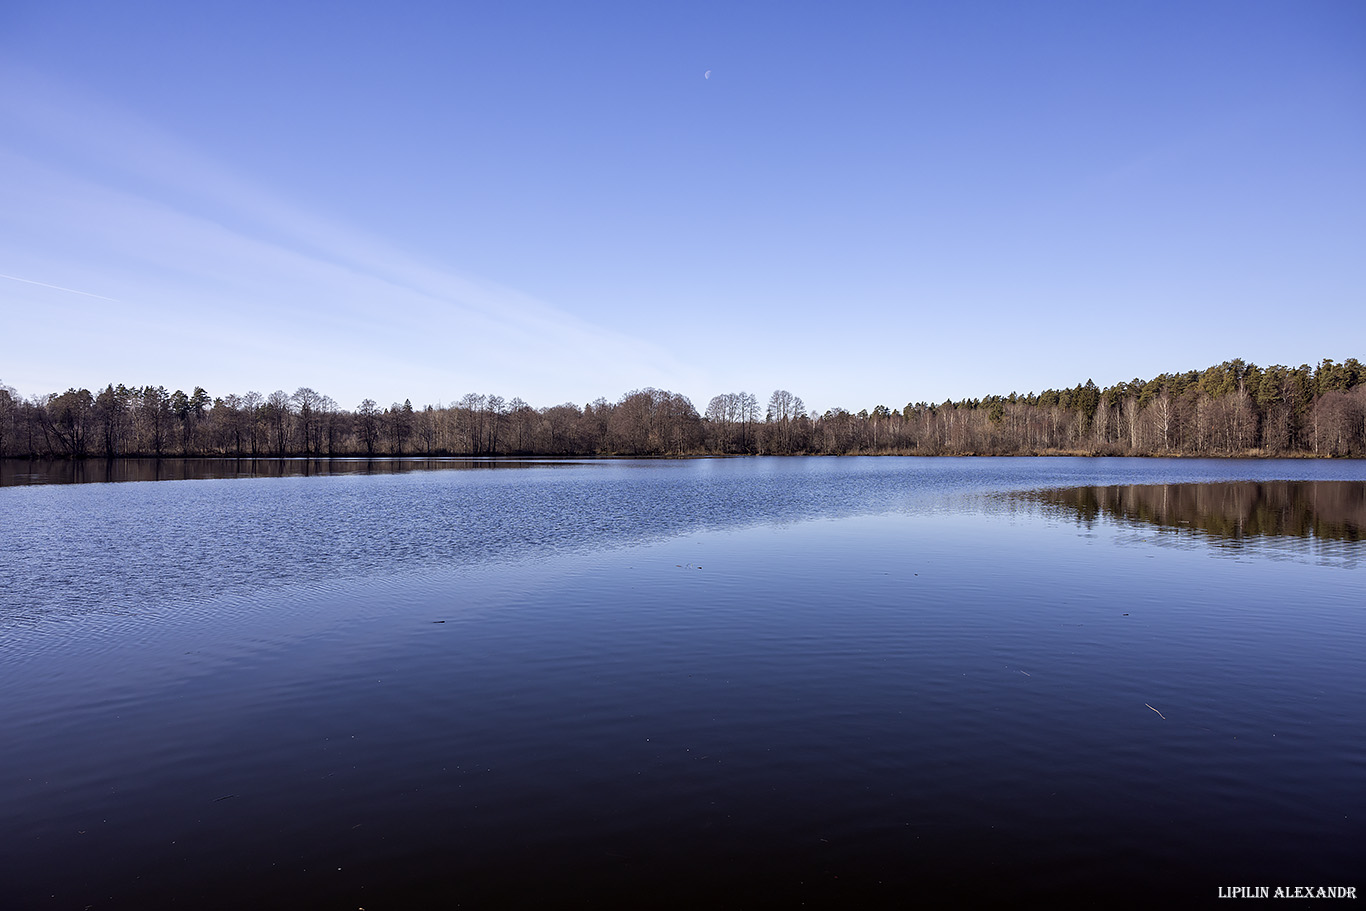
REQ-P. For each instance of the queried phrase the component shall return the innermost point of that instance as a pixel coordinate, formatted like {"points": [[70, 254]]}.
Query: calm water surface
{"points": [[721, 683]]}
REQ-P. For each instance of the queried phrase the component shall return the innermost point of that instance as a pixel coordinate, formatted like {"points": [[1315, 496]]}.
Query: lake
{"points": [[728, 683]]}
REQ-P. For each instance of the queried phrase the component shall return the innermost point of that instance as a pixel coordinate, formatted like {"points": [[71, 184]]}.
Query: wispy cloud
{"points": [[29, 281], [200, 255]]}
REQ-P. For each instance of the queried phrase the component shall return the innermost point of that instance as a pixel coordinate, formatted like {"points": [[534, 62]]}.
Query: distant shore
{"points": [[1233, 410]]}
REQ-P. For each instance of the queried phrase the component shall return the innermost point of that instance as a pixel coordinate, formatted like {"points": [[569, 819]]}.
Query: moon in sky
{"points": [[707, 74]]}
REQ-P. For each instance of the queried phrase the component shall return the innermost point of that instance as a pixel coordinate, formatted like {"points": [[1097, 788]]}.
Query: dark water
{"points": [[738, 683]]}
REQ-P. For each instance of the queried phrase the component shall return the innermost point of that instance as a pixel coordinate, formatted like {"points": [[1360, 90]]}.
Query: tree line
{"points": [[1232, 409]]}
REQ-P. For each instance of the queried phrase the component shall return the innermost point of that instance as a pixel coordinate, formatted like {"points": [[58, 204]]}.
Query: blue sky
{"points": [[865, 204]]}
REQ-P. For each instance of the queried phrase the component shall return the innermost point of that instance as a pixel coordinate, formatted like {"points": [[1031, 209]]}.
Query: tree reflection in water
{"points": [[14, 472], [1229, 514]]}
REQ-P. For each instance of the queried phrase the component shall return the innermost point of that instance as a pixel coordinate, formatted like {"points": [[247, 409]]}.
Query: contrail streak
{"points": [[29, 281]]}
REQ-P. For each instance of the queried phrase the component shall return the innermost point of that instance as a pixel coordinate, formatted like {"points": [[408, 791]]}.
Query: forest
{"points": [[1233, 409]]}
